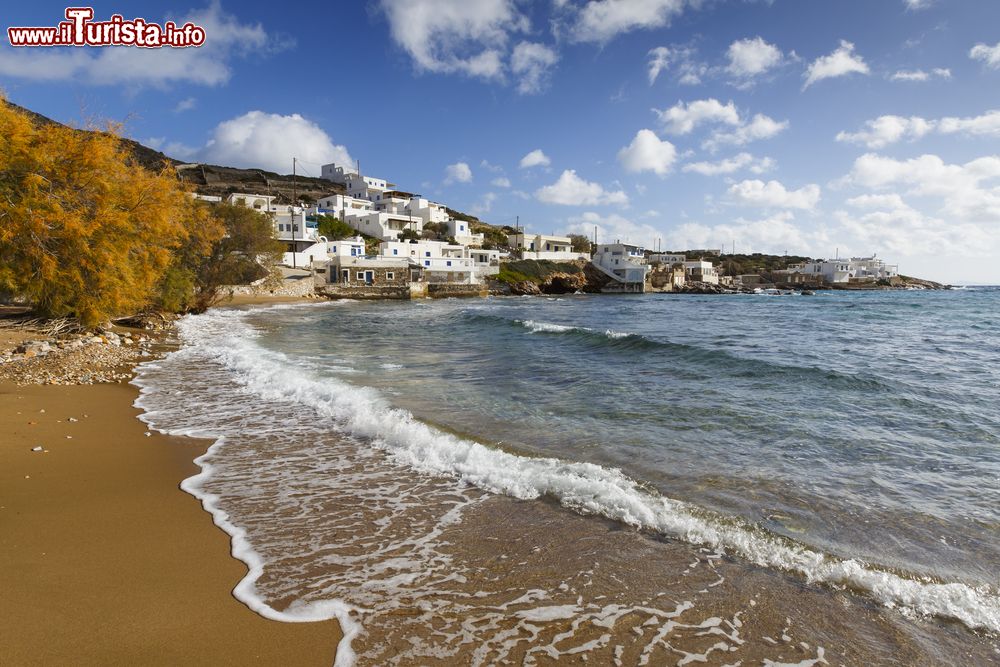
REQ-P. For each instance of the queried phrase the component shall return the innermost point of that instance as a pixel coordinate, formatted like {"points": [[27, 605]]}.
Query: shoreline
{"points": [[104, 559]]}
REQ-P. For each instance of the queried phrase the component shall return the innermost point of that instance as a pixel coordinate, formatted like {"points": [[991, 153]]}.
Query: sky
{"points": [[813, 127]]}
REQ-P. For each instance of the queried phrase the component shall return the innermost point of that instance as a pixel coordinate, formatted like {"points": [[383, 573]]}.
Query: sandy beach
{"points": [[104, 560]]}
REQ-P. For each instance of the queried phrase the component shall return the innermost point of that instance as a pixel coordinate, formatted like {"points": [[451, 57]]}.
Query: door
{"points": [[369, 277]]}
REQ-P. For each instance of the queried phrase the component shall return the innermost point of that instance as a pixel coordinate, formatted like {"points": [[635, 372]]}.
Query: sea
{"points": [[613, 480]]}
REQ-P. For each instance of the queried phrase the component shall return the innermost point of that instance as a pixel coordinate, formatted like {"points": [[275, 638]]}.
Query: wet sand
{"points": [[104, 560]]}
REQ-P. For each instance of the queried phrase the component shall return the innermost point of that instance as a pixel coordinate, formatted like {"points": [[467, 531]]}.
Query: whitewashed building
{"points": [[700, 271], [441, 262], [462, 233], [846, 270], [666, 259], [625, 264], [540, 246]]}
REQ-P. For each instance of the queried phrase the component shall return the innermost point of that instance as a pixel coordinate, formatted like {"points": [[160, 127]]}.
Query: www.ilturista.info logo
{"points": [[80, 30]]}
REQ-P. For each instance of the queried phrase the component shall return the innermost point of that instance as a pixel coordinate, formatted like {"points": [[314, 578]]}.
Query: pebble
{"points": [[36, 449]]}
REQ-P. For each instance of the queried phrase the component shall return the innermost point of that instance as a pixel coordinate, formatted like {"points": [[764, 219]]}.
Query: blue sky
{"points": [[807, 126]]}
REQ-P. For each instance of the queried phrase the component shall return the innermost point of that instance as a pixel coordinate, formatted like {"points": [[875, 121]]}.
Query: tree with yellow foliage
{"points": [[85, 231]]}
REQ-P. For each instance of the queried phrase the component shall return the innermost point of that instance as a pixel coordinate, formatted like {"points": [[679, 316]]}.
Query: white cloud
{"points": [[270, 141], [186, 105], [611, 228], [774, 195], [601, 20], [886, 130], [689, 71], [742, 161], [749, 58], [684, 117], [500, 182], [989, 55], [659, 60], [964, 198], [485, 204], [648, 153], [774, 234], [920, 75], [968, 192], [535, 158], [207, 65], [915, 5], [531, 63], [985, 125], [841, 62], [571, 190], [457, 173], [465, 36], [759, 127]]}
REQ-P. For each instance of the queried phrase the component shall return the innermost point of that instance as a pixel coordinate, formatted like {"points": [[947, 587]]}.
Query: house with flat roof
{"points": [[625, 264], [541, 246]]}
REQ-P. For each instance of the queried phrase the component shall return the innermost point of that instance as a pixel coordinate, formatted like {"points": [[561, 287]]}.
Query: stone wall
{"points": [[445, 290]]}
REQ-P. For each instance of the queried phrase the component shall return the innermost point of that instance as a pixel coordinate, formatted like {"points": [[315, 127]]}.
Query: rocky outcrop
{"points": [[525, 288]]}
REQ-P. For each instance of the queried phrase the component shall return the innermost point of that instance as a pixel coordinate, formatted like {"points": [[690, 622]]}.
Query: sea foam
{"points": [[584, 487]]}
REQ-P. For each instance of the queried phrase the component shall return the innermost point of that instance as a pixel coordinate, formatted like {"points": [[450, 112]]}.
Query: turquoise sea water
{"points": [[866, 424], [846, 439]]}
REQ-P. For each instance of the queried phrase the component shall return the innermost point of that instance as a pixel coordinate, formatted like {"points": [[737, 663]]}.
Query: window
{"points": [[448, 262], [427, 262], [361, 275], [389, 275], [333, 249], [427, 253], [395, 251]]}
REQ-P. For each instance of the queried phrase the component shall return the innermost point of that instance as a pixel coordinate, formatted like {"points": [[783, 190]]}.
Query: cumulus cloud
{"points": [[446, 36], [988, 55], [684, 117], [208, 65], [968, 192], [535, 158], [841, 62], [270, 141], [602, 20], [773, 194], [648, 153], [460, 172], [774, 234], [759, 127], [886, 130], [571, 190], [920, 75], [612, 228], [531, 64], [750, 58], [500, 182], [731, 165]]}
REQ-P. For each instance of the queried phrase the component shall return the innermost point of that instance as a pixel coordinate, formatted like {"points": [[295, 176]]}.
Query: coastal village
{"points": [[406, 246]]}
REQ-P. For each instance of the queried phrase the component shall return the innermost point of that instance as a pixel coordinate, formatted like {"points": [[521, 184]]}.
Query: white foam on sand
{"points": [[270, 376]]}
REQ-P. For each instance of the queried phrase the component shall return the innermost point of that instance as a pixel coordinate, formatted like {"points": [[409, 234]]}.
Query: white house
{"points": [[845, 270], [700, 271], [487, 262], [666, 259], [539, 246], [625, 263], [441, 262], [462, 233], [362, 187], [260, 203]]}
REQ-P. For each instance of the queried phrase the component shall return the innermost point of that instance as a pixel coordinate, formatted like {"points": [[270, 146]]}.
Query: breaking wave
{"points": [[272, 377]]}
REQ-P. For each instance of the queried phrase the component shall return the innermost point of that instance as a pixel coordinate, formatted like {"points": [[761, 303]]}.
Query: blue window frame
{"points": [[427, 262], [449, 262]]}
